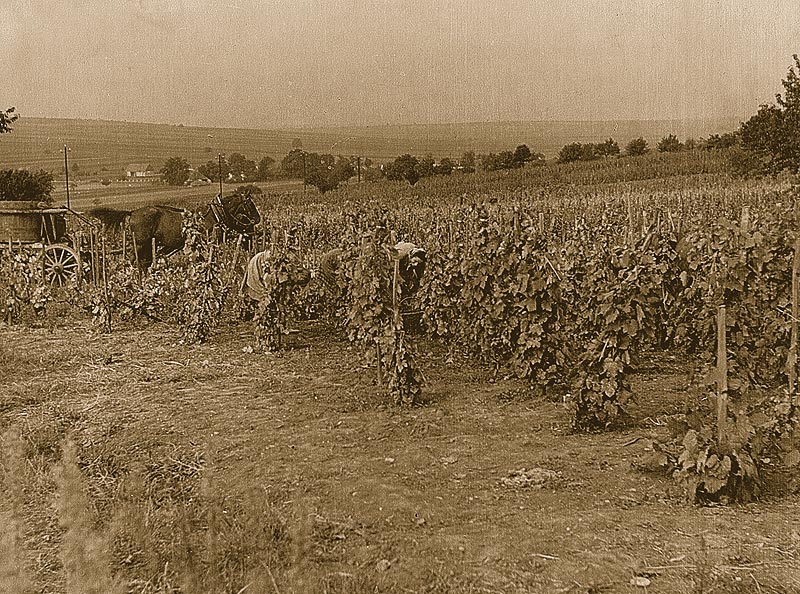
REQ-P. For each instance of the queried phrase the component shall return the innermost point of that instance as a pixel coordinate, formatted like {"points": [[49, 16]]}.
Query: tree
{"points": [[772, 135], [636, 147], [211, 169], [608, 148], [7, 118], [403, 167], [175, 171], [241, 168], [522, 154], [467, 162], [576, 152], [715, 141], [294, 164], [670, 144], [445, 167], [499, 161], [426, 166], [21, 184], [266, 168], [326, 176]]}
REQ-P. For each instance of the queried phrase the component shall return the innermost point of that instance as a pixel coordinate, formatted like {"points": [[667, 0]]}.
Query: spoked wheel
{"points": [[60, 264]]}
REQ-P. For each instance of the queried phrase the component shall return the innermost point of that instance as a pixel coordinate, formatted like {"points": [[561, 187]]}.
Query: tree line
{"points": [[766, 144], [577, 151]]}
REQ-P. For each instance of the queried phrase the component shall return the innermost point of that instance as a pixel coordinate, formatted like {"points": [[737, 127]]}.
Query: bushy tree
{"points": [[467, 162], [670, 144], [293, 165], [403, 167], [772, 135], [266, 168], [427, 166], [326, 176], [212, 169], [636, 147], [576, 151], [21, 184], [175, 171], [7, 118], [522, 154], [445, 167], [242, 168], [608, 148], [499, 161], [715, 141]]}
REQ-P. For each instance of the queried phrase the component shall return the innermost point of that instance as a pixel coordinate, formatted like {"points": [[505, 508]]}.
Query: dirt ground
{"points": [[435, 493]]}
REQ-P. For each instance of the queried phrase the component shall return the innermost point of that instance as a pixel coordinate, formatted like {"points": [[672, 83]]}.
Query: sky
{"points": [[312, 63]]}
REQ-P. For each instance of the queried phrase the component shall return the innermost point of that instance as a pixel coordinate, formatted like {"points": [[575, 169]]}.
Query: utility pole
{"points": [[219, 158], [358, 160], [66, 173]]}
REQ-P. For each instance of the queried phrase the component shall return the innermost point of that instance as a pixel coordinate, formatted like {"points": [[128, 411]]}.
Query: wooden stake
{"points": [[77, 246], [722, 377], [744, 220], [791, 363], [105, 284], [379, 361], [94, 258], [136, 257], [631, 222]]}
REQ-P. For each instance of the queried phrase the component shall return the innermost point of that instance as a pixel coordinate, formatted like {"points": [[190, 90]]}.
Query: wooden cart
{"points": [[34, 226]]}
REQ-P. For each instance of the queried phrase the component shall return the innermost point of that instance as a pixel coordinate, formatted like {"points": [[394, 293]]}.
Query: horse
{"points": [[236, 213]]}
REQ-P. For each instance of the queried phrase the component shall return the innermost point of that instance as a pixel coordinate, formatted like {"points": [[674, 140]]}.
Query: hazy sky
{"points": [[266, 64]]}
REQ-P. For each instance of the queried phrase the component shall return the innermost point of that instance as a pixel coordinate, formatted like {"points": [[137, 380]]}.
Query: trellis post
{"points": [[722, 376]]}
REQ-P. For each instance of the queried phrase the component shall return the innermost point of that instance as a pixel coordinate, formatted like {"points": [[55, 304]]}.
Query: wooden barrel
{"points": [[20, 220]]}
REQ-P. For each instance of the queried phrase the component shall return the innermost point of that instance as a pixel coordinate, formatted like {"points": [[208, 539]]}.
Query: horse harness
{"points": [[239, 218]]}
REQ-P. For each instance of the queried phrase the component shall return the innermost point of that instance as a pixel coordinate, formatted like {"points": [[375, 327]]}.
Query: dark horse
{"points": [[235, 214]]}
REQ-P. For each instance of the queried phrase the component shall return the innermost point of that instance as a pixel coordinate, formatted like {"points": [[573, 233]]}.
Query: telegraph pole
{"points": [[66, 173], [358, 160], [219, 169]]}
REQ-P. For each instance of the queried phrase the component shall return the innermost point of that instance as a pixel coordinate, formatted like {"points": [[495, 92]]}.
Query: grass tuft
{"points": [[14, 577], [84, 550]]}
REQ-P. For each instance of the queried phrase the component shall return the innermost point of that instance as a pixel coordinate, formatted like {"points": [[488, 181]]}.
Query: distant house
{"points": [[141, 172]]}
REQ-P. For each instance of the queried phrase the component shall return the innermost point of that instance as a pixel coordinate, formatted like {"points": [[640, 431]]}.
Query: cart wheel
{"points": [[60, 265]]}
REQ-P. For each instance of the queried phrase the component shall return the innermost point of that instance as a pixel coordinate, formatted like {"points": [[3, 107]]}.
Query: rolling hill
{"points": [[104, 148]]}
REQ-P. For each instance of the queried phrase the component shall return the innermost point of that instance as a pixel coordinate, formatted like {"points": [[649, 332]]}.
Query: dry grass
{"points": [[84, 550], [14, 576], [206, 469]]}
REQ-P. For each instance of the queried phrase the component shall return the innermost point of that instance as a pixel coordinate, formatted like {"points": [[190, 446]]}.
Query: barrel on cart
{"points": [[30, 225]]}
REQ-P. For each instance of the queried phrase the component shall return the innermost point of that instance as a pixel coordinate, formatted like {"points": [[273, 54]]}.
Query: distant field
{"points": [[129, 196], [103, 148]]}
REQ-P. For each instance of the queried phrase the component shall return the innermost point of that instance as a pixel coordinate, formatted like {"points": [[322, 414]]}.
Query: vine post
{"points": [[791, 363], [136, 259], [106, 297], [78, 242], [378, 355], [722, 376]]}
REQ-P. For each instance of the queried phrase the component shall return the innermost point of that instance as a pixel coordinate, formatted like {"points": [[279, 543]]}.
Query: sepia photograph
{"points": [[399, 297]]}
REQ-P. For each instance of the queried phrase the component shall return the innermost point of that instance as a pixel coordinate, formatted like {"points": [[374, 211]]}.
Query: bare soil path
{"points": [[420, 500]]}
